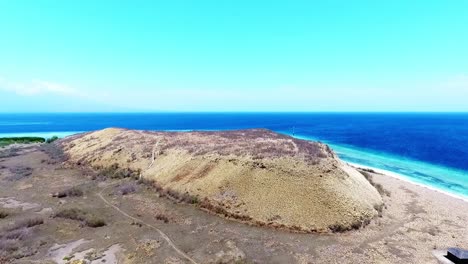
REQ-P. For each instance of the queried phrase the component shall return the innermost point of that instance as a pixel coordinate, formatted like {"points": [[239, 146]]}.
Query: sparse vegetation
{"points": [[17, 234], [19, 173], [379, 208], [82, 216], [93, 221], [205, 204], [52, 139], [71, 192], [5, 141], [14, 238], [3, 214], [9, 152], [54, 152], [340, 227], [193, 158], [115, 172], [367, 174], [126, 188], [26, 223], [162, 217], [258, 146], [8, 245]]}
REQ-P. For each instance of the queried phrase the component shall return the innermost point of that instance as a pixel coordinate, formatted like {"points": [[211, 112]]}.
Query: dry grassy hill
{"points": [[256, 176]]}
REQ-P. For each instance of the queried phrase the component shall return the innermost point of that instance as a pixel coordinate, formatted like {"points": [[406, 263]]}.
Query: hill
{"points": [[255, 176]]}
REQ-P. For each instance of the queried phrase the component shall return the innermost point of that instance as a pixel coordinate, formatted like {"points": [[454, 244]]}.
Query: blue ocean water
{"points": [[429, 148]]}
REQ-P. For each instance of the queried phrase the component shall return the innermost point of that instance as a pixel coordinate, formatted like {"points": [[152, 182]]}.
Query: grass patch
{"points": [[82, 216], [5, 141]]}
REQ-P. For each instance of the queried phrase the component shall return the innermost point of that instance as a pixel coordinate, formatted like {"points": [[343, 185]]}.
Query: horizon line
{"points": [[243, 112]]}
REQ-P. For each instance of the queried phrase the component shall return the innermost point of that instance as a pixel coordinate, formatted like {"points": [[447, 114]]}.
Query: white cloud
{"points": [[37, 87], [457, 82]]}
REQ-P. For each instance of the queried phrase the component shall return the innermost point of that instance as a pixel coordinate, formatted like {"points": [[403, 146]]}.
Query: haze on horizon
{"points": [[126, 56]]}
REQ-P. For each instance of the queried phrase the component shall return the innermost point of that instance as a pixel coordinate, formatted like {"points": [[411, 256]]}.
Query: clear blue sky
{"points": [[235, 55]]}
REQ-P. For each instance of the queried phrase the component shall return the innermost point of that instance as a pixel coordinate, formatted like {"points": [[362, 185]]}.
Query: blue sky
{"points": [[222, 55]]}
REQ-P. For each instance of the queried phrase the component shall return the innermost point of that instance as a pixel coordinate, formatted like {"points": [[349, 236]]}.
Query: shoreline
{"points": [[406, 179]]}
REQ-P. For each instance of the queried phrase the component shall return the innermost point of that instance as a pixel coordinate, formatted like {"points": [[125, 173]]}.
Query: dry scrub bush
{"points": [[82, 216], [71, 192]]}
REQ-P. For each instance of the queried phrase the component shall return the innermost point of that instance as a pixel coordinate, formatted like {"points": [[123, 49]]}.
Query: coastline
{"points": [[342, 151], [407, 179], [59, 134], [350, 155]]}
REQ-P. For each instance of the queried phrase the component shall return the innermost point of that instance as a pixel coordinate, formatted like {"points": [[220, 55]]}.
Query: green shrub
{"points": [[52, 139], [4, 141]]}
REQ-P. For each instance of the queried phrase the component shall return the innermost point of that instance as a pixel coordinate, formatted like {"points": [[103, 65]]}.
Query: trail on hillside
{"points": [[163, 235]]}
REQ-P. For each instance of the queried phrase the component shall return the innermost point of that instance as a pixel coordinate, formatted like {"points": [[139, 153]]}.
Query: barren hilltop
{"points": [[254, 176]]}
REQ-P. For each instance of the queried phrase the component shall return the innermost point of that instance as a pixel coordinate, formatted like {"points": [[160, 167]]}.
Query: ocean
{"points": [[426, 148]]}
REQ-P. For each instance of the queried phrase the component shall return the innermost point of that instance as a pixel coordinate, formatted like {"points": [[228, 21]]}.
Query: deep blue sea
{"points": [[430, 149]]}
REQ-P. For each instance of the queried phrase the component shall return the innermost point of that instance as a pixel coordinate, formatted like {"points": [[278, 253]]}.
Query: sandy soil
{"points": [[144, 228]]}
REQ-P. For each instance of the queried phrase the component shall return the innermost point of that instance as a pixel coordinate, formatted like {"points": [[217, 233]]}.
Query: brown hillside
{"points": [[256, 175]]}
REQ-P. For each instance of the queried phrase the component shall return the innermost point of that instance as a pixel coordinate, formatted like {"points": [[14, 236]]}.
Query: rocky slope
{"points": [[255, 176]]}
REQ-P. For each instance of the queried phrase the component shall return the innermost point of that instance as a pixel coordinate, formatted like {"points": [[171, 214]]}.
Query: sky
{"points": [[233, 55]]}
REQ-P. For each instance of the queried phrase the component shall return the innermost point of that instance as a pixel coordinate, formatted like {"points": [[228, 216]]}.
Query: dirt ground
{"points": [[141, 227]]}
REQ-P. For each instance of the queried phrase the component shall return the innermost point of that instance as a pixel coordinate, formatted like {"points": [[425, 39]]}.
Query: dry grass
{"points": [[115, 172], [9, 152], [19, 173], [255, 143], [13, 240], [55, 153], [79, 215], [162, 217], [266, 172], [26, 223], [126, 188], [367, 174]]}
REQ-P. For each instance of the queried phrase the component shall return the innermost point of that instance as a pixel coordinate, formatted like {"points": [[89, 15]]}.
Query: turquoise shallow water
{"points": [[59, 134], [443, 178]]}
